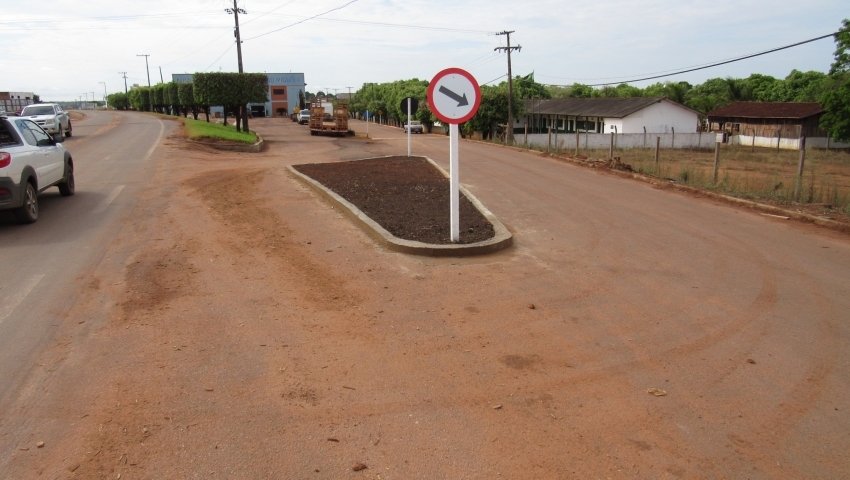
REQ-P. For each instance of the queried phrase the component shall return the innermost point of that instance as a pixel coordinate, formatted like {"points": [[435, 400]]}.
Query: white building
{"points": [[606, 115]]}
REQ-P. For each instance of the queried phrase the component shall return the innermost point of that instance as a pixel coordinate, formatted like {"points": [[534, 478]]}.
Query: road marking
{"points": [[9, 304], [156, 144], [109, 198]]}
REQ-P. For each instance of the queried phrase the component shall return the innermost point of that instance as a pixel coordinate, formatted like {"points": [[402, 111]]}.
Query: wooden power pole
{"points": [[235, 11], [510, 133]]}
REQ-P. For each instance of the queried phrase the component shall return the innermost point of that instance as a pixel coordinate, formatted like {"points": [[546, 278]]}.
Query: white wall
{"points": [[567, 141], [615, 125], [662, 117], [785, 143]]}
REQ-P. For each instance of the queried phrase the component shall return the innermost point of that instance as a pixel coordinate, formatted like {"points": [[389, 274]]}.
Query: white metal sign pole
{"points": [[408, 126], [454, 188]]}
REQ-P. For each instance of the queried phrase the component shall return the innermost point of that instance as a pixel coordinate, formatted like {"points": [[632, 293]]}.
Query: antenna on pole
{"points": [[510, 133]]}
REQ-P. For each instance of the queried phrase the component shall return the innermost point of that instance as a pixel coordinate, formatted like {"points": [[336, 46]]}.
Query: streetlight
{"points": [[94, 106], [86, 102], [105, 99]]}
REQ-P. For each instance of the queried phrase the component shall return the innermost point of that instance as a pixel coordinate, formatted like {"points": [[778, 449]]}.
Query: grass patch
{"points": [[199, 130], [761, 174]]}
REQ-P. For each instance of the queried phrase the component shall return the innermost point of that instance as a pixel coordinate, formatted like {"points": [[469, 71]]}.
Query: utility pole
{"points": [[105, 98], [161, 80], [147, 67], [510, 133], [235, 11], [125, 81]]}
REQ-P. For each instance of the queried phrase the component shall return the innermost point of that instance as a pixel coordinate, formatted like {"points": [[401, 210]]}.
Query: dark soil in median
{"points": [[405, 195]]}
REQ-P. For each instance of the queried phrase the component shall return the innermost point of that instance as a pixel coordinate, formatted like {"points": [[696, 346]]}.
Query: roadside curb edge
{"points": [[501, 240]]}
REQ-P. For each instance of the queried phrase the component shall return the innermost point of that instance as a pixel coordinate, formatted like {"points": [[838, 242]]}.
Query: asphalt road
{"points": [[45, 262]]}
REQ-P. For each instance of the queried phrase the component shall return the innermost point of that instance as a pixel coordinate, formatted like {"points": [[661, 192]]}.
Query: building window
{"points": [[586, 125], [278, 91]]}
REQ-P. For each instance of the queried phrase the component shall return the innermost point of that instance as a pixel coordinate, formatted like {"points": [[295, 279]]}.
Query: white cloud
{"points": [[562, 42]]}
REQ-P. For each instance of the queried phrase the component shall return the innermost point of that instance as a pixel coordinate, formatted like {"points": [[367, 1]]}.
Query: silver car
{"points": [[49, 116], [303, 117]]}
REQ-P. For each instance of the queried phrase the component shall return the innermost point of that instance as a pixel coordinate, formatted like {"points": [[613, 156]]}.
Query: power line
{"points": [[269, 13], [491, 81], [219, 58], [393, 25], [710, 65], [302, 21]]}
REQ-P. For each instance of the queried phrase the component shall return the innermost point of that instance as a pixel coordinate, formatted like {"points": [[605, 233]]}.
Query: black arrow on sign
{"points": [[461, 101]]}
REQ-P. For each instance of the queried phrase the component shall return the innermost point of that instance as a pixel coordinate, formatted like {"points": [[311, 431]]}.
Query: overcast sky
{"points": [[61, 49]]}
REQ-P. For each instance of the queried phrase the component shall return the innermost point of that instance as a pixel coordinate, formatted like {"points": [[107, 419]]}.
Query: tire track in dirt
{"points": [[231, 195]]}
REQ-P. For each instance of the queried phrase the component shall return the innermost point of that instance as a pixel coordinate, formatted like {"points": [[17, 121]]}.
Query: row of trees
{"points": [[233, 91], [831, 90]]}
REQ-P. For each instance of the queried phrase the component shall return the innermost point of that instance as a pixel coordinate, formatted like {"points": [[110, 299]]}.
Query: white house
{"points": [[605, 115]]}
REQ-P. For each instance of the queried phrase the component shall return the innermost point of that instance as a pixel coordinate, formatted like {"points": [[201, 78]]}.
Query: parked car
{"points": [[303, 117], [415, 127], [31, 161], [49, 116]]}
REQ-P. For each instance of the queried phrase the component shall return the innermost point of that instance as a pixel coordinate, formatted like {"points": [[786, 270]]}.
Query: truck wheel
{"points": [[67, 187], [70, 130], [28, 212]]}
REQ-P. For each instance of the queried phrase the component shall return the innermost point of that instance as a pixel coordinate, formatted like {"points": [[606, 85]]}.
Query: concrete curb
{"points": [[762, 207], [255, 148], [503, 238]]}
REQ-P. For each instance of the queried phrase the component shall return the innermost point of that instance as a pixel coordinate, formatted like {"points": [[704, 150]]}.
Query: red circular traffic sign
{"points": [[454, 95]]}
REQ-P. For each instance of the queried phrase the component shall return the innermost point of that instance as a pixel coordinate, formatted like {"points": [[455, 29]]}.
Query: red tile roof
{"points": [[767, 110]]}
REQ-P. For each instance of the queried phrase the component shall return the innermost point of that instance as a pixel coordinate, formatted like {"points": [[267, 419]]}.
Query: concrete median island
{"points": [[403, 203]]}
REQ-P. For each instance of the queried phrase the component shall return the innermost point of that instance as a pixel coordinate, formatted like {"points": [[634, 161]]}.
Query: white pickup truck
{"points": [[31, 161], [49, 116]]}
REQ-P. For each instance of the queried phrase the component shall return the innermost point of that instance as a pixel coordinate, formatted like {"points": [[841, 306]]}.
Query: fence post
{"points": [[611, 149], [800, 169], [754, 141], [716, 158], [556, 134], [673, 140], [526, 134], [549, 145], [778, 139], [657, 148], [576, 125], [827, 143], [644, 137]]}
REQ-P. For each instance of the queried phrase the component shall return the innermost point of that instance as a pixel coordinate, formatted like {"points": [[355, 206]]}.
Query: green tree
{"points": [[172, 90], [526, 87], [675, 91], [842, 51], [140, 99], [836, 100], [232, 91], [119, 100]]}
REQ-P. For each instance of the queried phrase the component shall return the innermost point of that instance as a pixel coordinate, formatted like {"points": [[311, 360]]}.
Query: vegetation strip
{"points": [[200, 130]]}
